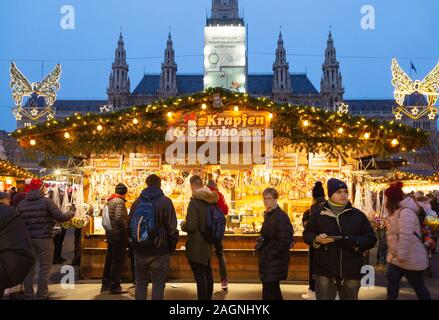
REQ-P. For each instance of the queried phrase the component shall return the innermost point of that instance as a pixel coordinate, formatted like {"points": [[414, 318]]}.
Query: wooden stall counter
{"points": [[242, 263]]}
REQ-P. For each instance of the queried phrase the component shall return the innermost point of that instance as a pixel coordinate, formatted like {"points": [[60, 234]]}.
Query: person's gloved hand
{"points": [[348, 242]]}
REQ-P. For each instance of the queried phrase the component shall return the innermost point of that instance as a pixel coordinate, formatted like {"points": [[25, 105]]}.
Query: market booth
{"points": [[242, 143], [12, 175]]}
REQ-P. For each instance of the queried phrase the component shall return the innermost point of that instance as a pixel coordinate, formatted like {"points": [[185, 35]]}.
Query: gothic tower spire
{"points": [[282, 88], [118, 90], [168, 76], [331, 86], [225, 12]]}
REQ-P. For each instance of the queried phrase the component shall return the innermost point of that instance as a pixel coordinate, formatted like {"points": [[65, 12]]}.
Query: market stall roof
{"points": [[7, 168], [306, 128]]}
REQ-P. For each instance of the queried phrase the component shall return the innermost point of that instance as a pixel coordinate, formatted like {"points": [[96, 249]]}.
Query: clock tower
{"points": [[225, 12]]}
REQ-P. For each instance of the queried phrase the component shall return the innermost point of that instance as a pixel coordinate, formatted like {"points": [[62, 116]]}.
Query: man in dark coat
{"points": [[198, 250], [318, 198], [339, 234], [274, 256], [16, 253], [39, 214], [117, 240], [152, 262]]}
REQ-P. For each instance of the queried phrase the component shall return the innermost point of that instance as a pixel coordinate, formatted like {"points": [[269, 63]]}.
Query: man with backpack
{"points": [[199, 241], [115, 212], [219, 247], [154, 236]]}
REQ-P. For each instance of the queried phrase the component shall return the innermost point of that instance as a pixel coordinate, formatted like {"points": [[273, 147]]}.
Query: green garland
{"points": [[322, 134]]}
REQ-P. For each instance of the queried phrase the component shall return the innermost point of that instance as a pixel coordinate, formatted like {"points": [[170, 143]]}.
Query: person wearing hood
{"points": [[117, 240], [152, 262], [39, 214], [318, 201], [16, 252], [339, 234], [198, 250], [219, 247], [407, 255]]}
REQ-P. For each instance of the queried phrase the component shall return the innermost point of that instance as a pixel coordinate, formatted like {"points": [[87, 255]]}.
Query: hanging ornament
{"points": [[21, 88], [404, 86]]}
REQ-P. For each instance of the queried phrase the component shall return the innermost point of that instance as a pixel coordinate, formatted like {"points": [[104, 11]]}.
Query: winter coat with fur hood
{"points": [[405, 249], [197, 248]]}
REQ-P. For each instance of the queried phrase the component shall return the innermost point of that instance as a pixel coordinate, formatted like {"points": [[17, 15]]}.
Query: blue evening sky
{"points": [[30, 31]]}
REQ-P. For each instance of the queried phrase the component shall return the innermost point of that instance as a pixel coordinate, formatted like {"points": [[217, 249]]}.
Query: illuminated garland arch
{"points": [[305, 127]]}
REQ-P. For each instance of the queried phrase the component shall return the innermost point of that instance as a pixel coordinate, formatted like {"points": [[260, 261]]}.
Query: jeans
{"points": [[327, 288], [219, 250], [271, 291], [204, 279], [43, 250], [414, 278], [312, 281], [151, 269], [382, 247], [114, 260]]}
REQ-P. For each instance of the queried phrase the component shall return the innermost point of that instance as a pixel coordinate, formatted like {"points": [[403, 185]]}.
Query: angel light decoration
{"points": [[47, 88], [404, 86]]}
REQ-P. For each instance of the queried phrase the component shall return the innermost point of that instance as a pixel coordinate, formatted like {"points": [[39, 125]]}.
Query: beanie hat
{"points": [[121, 189], [394, 192], [334, 185], [36, 184], [317, 192]]}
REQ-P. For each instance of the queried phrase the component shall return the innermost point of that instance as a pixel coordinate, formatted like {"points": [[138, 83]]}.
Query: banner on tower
{"points": [[225, 58]]}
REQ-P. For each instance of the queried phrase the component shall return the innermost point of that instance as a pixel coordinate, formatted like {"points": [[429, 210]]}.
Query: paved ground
{"points": [[90, 290]]}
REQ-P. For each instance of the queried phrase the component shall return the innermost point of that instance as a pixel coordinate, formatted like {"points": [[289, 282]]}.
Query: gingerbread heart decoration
{"points": [[228, 183]]}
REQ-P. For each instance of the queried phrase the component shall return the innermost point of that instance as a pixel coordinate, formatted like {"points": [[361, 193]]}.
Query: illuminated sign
{"points": [[321, 161], [225, 58], [145, 161], [107, 162]]}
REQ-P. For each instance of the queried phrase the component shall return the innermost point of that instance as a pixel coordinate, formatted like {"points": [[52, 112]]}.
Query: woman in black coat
{"points": [[274, 246]]}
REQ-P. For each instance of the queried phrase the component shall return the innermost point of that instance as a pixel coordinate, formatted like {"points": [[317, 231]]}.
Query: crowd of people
{"points": [[338, 236]]}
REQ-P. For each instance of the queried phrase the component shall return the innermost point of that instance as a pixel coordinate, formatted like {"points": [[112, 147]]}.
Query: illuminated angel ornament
{"points": [[47, 88], [405, 86]]}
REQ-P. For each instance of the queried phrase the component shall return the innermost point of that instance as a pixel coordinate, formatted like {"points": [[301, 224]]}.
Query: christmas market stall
{"points": [[244, 144], [12, 175]]}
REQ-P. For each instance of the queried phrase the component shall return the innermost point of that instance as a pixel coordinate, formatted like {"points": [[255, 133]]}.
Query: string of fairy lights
{"points": [[307, 127], [16, 171]]}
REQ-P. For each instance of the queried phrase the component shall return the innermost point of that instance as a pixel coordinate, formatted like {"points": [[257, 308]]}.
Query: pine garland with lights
{"points": [[11, 169], [307, 128]]}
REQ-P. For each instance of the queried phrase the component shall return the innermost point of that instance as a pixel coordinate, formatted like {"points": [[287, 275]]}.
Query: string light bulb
{"points": [[340, 130], [170, 114], [33, 142], [236, 109], [305, 123], [204, 106], [367, 135], [395, 142], [67, 135], [99, 127], [135, 121]]}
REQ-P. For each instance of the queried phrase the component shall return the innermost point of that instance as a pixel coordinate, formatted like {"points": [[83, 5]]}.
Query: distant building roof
{"points": [[257, 84], [365, 106]]}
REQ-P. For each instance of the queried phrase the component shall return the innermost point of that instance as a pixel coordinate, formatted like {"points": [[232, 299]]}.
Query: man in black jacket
{"points": [[339, 234], [16, 253], [152, 262], [39, 214]]}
